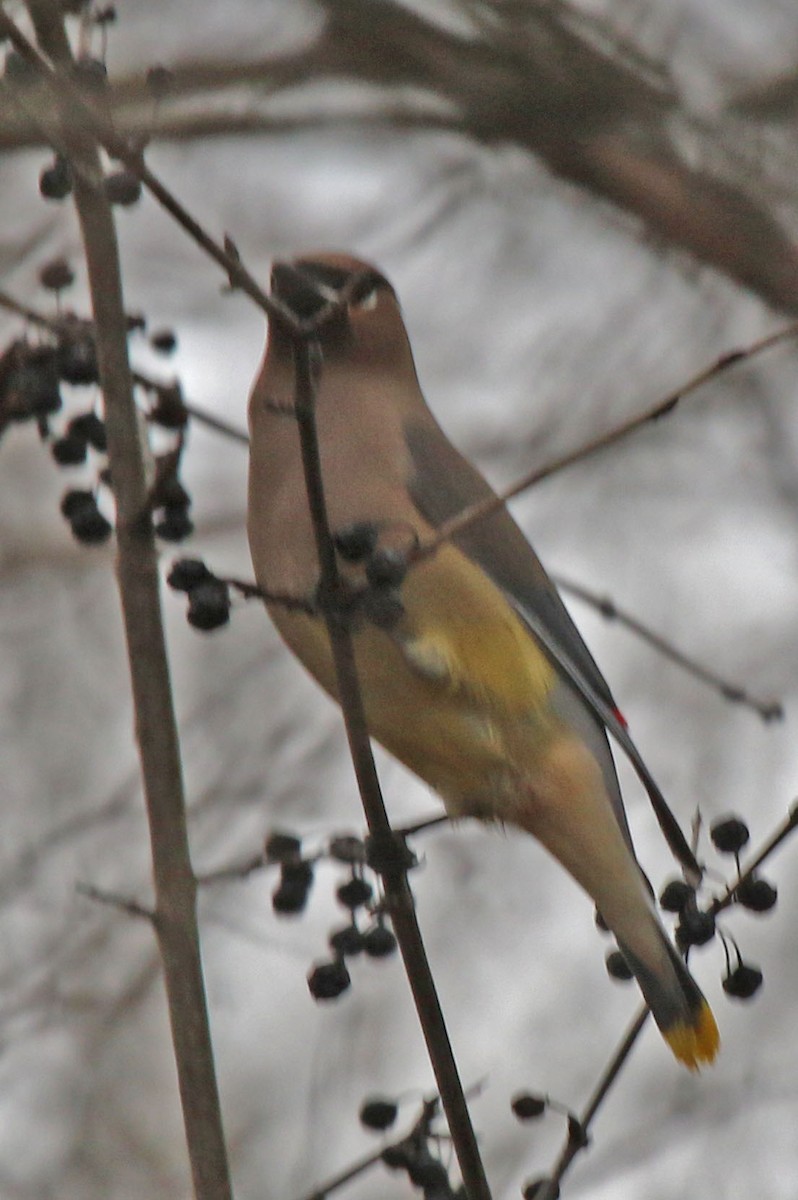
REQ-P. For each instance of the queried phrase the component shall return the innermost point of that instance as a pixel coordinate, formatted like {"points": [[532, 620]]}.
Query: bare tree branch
{"points": [[483, 508], [544, 77], [174, 917]]}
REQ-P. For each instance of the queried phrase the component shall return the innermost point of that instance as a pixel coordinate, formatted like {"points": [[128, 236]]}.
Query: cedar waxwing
{"points": [[464, 682]]}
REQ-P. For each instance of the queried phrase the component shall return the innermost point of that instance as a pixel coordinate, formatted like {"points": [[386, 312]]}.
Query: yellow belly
{"points": [[458, 692]]}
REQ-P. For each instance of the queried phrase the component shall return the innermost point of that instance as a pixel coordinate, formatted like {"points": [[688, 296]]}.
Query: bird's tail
{"points": [[676, 1002]]}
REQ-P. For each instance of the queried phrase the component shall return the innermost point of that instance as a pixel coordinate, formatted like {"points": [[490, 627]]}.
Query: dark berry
{"points": [[18, 69], [617, 966], [297, 871], [91, 73], [290, 897], [89, 428], [170, 493], [159, 81], [356, 541], [347, 848], [379, 941], [169, 410], [88, 525], [537, 1187], [56, 275], [386, 568], [163, 340], [77, 500], [756, 894], [729, 834], [527, 1106], [378, 1113], [209, 605], [291, 893], [186, 573], [279, 847], [77, 361], [346, 942], [354, 893], [695, 929], [398, 1157], [31, 388], [429, 1173], [55, 181], [175, 525], [122, 187], [676, 895], [743, 982], [328, 980], [69, 451], [383, 607]]}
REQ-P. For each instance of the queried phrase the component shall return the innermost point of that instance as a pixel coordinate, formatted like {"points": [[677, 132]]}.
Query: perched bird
{"points": [[475, 676]]}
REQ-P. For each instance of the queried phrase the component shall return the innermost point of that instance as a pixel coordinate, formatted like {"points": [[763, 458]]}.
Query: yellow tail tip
{"points": [[696, 1043]]}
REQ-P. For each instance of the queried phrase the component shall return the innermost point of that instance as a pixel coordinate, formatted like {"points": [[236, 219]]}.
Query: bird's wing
{"points": [[443, 483]]}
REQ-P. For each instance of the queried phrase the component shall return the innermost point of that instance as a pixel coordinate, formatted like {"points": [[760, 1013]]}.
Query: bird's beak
{"points": [[300, 288]]}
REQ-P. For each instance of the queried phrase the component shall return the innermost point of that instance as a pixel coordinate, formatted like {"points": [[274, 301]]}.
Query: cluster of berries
{"points": [[90, 75], [329, 978], [698, 926], [417, 1153], [32, 374]]}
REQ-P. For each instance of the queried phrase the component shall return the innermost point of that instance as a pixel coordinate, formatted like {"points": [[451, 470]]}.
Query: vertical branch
{"points": [[175, 918], [391, 864]]}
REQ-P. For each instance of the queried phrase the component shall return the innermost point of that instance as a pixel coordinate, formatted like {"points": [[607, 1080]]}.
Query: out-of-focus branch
{"points": [[544, 77], [174, 916], [768, 710]]}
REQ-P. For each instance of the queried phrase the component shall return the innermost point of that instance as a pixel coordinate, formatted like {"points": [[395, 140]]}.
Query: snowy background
{"points": [[540, 315]]}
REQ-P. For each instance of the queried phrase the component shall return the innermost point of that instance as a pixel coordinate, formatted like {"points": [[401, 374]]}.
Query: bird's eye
{"points": [[368, 302]]}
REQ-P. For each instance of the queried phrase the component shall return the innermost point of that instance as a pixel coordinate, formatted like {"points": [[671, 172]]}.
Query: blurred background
{"points": [[580, 204]]}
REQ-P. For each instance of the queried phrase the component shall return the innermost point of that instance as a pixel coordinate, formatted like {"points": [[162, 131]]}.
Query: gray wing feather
{"points": [[443, 483]]}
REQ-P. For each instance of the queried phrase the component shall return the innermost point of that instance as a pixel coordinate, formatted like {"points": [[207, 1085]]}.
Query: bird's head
{"points": [[367, 330]]}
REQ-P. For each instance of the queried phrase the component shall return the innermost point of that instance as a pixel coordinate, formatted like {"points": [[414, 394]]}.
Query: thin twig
{"points": [[175, 918], [225, 874], [768, 710], [484, 508], [573, 1145], [346, 1176], [114, 900], [398, 896]]}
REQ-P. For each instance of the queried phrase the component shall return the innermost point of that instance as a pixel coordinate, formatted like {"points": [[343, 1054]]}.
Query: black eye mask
{"points": [[306, 286]]}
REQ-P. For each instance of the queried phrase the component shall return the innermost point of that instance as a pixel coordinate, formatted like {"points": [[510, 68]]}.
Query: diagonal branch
{"points": [[768, 710], [484, 508]]}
